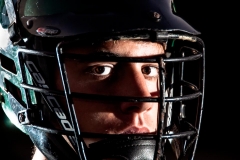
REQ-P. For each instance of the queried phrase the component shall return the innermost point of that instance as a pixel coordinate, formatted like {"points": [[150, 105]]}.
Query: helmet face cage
{"points": [[172, 88], [29, 100]]}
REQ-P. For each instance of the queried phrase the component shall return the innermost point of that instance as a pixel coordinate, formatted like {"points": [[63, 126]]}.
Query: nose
{"points": [[134, 84]]}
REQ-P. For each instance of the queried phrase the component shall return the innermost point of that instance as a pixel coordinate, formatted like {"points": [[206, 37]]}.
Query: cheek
{"points": [[153, 88]]}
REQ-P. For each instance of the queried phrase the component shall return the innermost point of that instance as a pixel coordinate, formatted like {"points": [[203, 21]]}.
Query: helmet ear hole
{"points": [[14, 90], [8, 64]]}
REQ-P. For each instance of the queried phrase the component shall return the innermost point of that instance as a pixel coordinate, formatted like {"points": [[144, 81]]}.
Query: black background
{"points": [[219, 132]]}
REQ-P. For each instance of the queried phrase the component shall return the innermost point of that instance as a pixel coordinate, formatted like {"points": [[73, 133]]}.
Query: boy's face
{"points": [[116, 79]]}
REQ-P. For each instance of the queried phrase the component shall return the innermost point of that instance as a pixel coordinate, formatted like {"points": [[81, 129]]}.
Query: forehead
{"points": [[119, 47]]}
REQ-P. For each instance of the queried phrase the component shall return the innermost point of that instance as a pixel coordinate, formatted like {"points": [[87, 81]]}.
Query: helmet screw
{"points": [[29, 24], [155, 15], [21, 117]]}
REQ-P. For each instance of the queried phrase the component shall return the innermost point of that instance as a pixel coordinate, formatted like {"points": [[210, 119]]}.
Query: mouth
{"points": [[135, 130]]}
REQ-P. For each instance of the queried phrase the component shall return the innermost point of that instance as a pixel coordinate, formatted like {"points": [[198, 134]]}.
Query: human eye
{"points": [[100, 70], [150, 71]]}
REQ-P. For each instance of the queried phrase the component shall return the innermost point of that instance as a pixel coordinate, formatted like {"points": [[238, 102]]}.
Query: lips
{"points": [[136, 130]]}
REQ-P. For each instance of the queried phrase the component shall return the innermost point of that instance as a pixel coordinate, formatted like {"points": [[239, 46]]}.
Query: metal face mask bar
{"points": [[166, 100]]}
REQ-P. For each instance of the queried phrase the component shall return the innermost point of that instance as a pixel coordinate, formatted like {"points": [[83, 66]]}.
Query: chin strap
{"points": [[122, 149]]}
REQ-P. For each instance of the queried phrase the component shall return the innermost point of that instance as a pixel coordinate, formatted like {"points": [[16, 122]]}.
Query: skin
{"points": [[116, 79]]}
